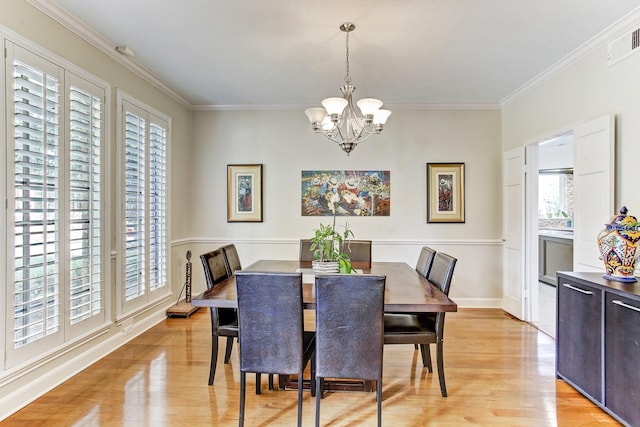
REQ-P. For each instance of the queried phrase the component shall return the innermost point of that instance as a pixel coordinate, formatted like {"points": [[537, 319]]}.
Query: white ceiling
{"points": [[290, 53]]}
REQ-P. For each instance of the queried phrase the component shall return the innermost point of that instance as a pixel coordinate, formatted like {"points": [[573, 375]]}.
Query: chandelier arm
{"points": [[363, 135]]}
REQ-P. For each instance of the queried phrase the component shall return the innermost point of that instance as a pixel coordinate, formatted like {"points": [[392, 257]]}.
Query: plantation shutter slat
{"points": [[55, 215], [144, 265], [85, 292], [135, 183], [37, 305], [157, 202]]}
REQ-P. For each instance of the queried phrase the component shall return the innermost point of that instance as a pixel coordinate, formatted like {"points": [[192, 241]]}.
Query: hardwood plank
{"points": [[500, 372]]}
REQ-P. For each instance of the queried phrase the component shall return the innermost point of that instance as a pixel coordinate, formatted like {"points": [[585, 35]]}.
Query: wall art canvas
{"points": [[244, 193], [347, 193], [445, 192]]}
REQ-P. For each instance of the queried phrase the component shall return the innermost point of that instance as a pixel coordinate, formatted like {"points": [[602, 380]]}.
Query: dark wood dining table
{"points": [[406, 290]]}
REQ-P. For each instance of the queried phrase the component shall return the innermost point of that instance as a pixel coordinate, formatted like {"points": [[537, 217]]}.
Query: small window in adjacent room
{"points": [[555, 198]]}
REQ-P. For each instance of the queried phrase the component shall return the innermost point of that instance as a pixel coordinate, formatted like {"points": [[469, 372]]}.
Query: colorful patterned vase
{"points": [[618, 244]]}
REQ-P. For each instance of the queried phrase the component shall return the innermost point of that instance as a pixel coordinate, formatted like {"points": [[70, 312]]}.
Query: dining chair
{"points": [[349, 331], [271, 324], [231, 258], [358, 250], [425, 260], [224, 321], [424, 328], [305, 253]]}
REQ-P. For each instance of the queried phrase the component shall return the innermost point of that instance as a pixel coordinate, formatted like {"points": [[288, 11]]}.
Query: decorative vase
{"points": [[325, 266], [618, 244]]}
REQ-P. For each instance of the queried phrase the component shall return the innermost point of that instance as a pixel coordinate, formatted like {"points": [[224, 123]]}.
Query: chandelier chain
{"points": [[347, 77]]}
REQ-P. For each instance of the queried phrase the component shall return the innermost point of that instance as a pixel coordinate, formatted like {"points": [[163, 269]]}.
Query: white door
{"points": [[513, 254], [593, 189]]}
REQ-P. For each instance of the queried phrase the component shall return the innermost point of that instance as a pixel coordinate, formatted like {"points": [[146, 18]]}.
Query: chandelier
{"points": [[340, 121]]}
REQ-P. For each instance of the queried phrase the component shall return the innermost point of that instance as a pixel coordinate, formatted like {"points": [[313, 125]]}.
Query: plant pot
{"points": [[325, 266], [618, 244]]}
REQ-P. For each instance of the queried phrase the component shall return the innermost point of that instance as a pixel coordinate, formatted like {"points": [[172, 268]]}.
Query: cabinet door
{"points": [[579, 336], [622, 357]]}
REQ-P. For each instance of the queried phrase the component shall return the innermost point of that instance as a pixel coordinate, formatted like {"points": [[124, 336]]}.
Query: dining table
{"points": [[406, 291]]}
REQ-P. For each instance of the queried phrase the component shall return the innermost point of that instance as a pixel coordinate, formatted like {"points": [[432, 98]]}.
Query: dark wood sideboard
{"points": [[598, 341]]}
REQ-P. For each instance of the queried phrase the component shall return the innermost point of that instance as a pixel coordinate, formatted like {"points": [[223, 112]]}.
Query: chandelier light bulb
{"points": [[380, 117], [316, 115], [334, 105], [369, 106]]}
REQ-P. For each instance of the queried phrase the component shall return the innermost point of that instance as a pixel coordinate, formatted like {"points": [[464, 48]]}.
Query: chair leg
{"points": [[227, 352], [312, 385], [443, 387], [379, 399], [426, 356], [214, 358], [318, 397], [243, 382], [300, 399], [258, 379], [270, 381]]}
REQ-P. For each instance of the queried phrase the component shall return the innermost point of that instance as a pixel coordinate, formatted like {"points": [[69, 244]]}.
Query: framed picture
{"points": [[445, 192], [346, 193], [244, 193]]}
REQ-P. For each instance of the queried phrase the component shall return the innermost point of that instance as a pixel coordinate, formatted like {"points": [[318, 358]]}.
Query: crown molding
{"points": [[601, 39], [73, 24], [262, 107]]}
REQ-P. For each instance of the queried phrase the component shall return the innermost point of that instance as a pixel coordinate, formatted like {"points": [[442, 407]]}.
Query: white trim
{"points": [[478, 302], [382, 242], [300, 107], [126, 309], [4, 138], [48, 55], [82, 78], [44, 383], [599, 40], [43, 359], [86, 33]]}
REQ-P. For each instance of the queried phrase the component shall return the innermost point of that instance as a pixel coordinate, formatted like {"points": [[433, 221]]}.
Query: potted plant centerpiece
{"points": [[327, 245]]}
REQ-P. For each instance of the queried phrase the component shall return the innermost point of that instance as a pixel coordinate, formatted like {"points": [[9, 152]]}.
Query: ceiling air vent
{"points": [[623, 47]]}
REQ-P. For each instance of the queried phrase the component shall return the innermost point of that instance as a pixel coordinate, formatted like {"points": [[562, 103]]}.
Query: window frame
{"points": [[68, 335], [151, 298]]}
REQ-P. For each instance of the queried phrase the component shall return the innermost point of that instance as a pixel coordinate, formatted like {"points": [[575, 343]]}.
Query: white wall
{"points": [[585, 90], [284, 143]]}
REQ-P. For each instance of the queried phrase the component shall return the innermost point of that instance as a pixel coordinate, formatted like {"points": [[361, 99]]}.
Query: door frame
{"points": [[531, 313]]}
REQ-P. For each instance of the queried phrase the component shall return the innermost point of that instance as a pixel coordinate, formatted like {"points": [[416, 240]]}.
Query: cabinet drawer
{"points": [[579, 336], [622, 357]]}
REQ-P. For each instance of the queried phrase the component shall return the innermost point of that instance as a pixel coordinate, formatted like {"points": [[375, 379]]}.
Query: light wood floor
{"points": [[500, 372]]}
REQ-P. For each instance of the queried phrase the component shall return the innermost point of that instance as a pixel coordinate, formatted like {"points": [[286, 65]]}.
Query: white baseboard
{"points": [[29, 392], [478, 302]]}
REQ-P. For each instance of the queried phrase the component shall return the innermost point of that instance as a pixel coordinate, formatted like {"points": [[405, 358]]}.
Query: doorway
{"points": [[550, 202], [594, 190]]}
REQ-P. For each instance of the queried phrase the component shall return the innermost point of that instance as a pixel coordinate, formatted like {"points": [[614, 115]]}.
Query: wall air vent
{"points": [[623, 47]]}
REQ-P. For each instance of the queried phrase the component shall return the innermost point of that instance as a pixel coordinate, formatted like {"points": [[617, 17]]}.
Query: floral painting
{"points": [[346, 193]]}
